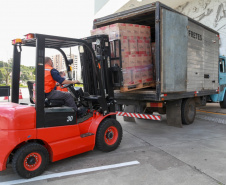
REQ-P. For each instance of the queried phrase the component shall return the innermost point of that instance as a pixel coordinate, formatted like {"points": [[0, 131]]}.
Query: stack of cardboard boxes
{"points": [[137, 67]]}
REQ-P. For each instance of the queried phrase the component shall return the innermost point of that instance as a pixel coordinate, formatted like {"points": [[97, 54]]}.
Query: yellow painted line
{"points": [[211, 112]]}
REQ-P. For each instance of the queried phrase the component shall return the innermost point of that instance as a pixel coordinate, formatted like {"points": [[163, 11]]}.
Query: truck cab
{"points": [[220, 97]]}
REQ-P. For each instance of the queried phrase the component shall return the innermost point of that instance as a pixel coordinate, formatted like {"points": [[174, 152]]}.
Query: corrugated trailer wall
{"points": [[211, 46], [203, 52]]}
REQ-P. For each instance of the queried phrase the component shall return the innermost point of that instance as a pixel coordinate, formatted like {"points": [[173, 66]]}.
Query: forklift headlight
{"points": [[15, 41]]}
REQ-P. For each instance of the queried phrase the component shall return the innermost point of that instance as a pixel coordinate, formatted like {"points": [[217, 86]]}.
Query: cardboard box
{"points": [[137, 75], [133, 45], [125, 43], [93, 32], [147, 59], [147, 31], [139, 62], [147, 74], [142, 32], [117, 51], [136, 30], [105, 30], [129, 30], [132, 60], [128, 76], [125, 61], [141, 45], [116, 31], [147, 46]]}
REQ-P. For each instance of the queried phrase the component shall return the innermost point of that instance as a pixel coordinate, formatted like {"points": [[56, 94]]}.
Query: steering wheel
{"points": [[67, 85]]}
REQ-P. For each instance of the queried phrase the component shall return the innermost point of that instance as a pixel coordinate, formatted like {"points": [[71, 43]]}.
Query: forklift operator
{"points": [[51, 77]]}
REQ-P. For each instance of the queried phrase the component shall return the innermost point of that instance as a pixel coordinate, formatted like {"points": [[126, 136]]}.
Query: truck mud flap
{"points": [[141, 116], [173, 113]]}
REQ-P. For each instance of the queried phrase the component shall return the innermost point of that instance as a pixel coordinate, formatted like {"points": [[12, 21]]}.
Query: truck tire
{"points": [[188, 111], [30, 160], [109, 135], [129, 108], [223, 103]]}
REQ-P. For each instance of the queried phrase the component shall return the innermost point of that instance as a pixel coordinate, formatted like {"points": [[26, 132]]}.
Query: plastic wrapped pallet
{"points": [[137, 75], [128, 76], [147, 73], [136, 58]]}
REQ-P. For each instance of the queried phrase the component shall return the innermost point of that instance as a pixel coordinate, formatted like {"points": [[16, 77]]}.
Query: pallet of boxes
{"points": [[134, 52]]}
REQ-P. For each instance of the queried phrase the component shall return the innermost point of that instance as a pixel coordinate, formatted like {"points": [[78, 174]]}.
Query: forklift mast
{"points": [[93, 84]]}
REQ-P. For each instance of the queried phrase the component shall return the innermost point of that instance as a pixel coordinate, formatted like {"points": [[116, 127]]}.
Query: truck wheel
{"points": [[188, 111], [30, 160], [109, 135], [223, 103]]}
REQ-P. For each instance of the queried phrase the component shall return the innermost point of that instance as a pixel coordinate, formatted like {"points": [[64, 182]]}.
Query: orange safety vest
{"points": [[50, 83], [61, 89]]}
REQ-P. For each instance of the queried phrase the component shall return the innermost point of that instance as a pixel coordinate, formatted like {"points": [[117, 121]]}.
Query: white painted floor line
{"points": [[75, 172]]}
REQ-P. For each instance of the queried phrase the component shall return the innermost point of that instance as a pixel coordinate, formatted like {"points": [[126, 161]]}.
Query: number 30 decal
{"points": [[69, 118]]}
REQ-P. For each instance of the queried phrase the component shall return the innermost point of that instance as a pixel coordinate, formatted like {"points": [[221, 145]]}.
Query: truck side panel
{"points": [[211, 56], [174, 51], [202, 71]]}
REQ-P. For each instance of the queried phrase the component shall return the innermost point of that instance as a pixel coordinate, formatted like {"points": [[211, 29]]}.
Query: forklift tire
{"points": [[188, 111], [223, 103], [109, 135], [30, 160]]}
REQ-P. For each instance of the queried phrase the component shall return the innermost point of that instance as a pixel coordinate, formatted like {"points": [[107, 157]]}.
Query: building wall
{"points": [[211, 13], [137, 3], [59, 64], [99, 4], [110, 7]]}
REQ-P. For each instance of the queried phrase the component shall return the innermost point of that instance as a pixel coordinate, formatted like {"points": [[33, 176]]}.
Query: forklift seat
{"points": [[48, 103], [30, 89], [54, 103]]}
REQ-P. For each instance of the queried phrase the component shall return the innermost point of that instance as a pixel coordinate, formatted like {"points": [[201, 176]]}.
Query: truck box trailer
{"points": [[186, 63]]}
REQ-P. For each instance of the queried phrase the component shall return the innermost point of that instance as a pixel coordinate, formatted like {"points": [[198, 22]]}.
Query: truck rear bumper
{"points": [[138, 115]]}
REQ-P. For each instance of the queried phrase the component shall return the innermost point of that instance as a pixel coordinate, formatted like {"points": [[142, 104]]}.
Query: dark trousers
{"points": [[66, 96]]}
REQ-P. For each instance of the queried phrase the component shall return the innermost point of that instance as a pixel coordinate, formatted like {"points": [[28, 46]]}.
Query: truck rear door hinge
{"points": [[158, 82], [157, 20]]}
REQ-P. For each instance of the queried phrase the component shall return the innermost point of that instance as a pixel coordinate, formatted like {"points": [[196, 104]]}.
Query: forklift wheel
{"points": [[109, 135], [30, 160]]}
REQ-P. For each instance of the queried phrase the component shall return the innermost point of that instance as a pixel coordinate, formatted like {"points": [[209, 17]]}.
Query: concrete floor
{"points": [[192, 155]]}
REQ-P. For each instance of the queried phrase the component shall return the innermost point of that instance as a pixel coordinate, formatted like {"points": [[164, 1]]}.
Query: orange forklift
{"points": [[32, 135]]}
